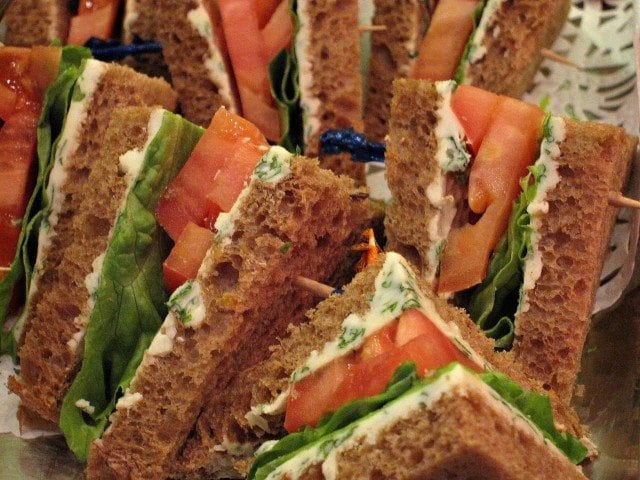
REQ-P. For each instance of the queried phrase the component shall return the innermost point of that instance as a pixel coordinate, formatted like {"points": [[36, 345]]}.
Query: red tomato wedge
{"points": [[315, 395], [474, 109], [227, 148], [43, 66], [250, 55], [444, 42], [368, 371], [186, 256], [88, 6], [17, 159], [509, 146], [95, 22]]}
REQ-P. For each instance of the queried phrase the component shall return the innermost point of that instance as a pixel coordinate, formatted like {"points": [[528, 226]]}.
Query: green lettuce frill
{"points": [[494, 302], [336, 426], [130, 298], [54, 111]]}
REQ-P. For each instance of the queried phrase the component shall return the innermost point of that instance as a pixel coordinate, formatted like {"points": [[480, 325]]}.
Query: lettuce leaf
{"points": [[537, 408], [54, 110], [285, 88], [404, 378], [494, 302], [461, 70], [534, 406], [130, 298]]}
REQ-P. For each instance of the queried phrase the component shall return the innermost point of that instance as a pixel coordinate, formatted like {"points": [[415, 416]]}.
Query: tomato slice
{"points": [[250, 59], [474, 108], [509, 146], [412, 338], [186, 256], [43, 66], [380, 342], [187, 197], [444, 42], [96, 22], [17, 159], [276, 34], [315, 395]]}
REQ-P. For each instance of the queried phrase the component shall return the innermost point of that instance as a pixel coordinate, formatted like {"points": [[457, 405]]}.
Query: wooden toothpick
{"points": [[616, 199], [372, 28], [556, 57], [317, 288]]}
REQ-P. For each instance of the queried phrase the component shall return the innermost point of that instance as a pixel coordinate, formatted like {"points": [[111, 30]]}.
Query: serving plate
{"points": [[599, 38]]}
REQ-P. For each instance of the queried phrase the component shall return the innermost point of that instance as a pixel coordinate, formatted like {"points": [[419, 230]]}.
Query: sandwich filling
{"points": [[514, 264], [364, 421]]}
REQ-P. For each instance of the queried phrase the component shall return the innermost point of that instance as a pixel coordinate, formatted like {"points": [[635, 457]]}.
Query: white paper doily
{"points": [[598, 36]]}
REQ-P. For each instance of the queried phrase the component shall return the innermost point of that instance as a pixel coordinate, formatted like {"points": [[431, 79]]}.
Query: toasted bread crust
{"points": [[460, 436], [335, 75], [393, 51], [36, 22], [48, 364], [250, 299], [595, 159], [513, 55], [184, 51]]}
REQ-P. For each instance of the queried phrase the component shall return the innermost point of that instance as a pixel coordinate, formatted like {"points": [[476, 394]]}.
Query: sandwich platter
{"points": [[600, 40]]}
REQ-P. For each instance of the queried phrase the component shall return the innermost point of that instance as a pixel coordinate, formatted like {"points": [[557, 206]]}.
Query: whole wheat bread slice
{"points": [[595, 159], [518, 32], [185, 51], [49, 353], [300, 226], [35, 22], [332, 78]]}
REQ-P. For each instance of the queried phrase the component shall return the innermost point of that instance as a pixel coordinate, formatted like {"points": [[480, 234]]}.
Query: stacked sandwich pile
{"points": [[156, 294]]}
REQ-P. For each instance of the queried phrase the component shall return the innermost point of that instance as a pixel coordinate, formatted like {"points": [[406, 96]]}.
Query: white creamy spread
{"points": [[214, 61], [128, 399], [85, 406], [457, 382], [452, 156], [555, 134], [130, 16], [396, 290], [187, 304], [234, 448], [273, 167], [309, 103], [477, 47], [162, 343]]}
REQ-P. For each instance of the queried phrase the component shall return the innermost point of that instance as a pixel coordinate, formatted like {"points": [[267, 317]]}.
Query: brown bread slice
{"points": [[393, 51], [35, 22], [464, 434], [333, 76], [595, 160], [184, 50], [513, 54], [49, 354], [301, 226], [226, 423]]}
